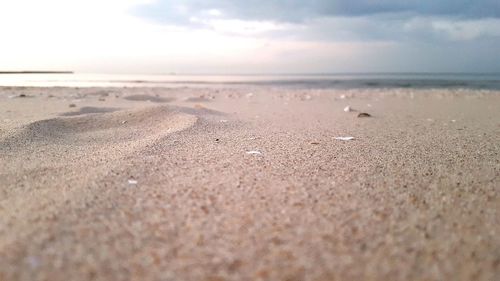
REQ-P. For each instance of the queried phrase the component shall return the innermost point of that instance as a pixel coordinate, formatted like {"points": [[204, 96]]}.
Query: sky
{"points": [[250, 36]]}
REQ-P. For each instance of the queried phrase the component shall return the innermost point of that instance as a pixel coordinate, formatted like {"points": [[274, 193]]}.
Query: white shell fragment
{"points": [[347, 109], [132, 182], [254, 152], [344, 138]]}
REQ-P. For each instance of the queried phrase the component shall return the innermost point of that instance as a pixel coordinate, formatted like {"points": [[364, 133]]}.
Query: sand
{"points": [[160, 186]]}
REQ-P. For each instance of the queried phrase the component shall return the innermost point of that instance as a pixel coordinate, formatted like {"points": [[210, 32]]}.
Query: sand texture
{"points": [[249, 183]]}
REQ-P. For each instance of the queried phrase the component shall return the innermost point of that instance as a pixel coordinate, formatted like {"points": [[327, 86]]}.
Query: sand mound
{"points": [[91, 142], [53, 154], [197, 99], [148, 98], [90, 110], [110, 127]]}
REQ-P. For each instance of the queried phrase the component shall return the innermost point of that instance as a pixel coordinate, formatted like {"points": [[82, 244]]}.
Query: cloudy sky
{"points": [[250, 36]]}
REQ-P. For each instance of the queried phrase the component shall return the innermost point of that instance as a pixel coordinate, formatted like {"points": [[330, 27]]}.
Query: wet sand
{"points": [[162, 186]]}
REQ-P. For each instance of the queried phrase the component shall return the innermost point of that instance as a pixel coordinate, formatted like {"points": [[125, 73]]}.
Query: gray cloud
{"points": [[179, 12], [382, 28], [423, 35]]}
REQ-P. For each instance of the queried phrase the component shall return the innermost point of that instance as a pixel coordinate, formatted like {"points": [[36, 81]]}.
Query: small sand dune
{"points": [[200, 110], [197, 99], [148, 98], [93, 144], [90, 110], [106, 126]]}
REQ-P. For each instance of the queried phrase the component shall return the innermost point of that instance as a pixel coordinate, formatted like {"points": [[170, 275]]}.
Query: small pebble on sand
{"points": [[72, 105], [254, 152], [132, 182], [348, 109]]}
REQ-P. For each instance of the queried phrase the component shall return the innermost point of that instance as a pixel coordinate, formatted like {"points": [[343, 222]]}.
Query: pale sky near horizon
{"points": [[253, 36]]}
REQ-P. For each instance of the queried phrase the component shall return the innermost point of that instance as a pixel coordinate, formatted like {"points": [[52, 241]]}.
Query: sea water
{"points": [[489, 81]]}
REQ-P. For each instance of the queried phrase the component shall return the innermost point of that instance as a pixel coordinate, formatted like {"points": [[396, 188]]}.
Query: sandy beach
{"points": [[249, 183]]}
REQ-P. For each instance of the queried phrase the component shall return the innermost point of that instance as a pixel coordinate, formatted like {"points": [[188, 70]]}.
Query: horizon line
{"points": [[37, 72], [173, 73]]}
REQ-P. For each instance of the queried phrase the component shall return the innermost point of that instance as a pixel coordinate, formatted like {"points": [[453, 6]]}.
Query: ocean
{"points": [[487, 81]]}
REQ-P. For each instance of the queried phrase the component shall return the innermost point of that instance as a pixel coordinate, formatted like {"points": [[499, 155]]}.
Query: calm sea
{"points": [[309, 81]]}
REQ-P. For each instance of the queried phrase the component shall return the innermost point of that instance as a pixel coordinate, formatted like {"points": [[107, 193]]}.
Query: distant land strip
{"points": [[36, 72]]}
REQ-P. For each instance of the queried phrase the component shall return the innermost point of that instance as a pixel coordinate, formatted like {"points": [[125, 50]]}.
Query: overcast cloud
{"points": [[459, 35], [175, 11], [417, 20], [251, 36]]}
